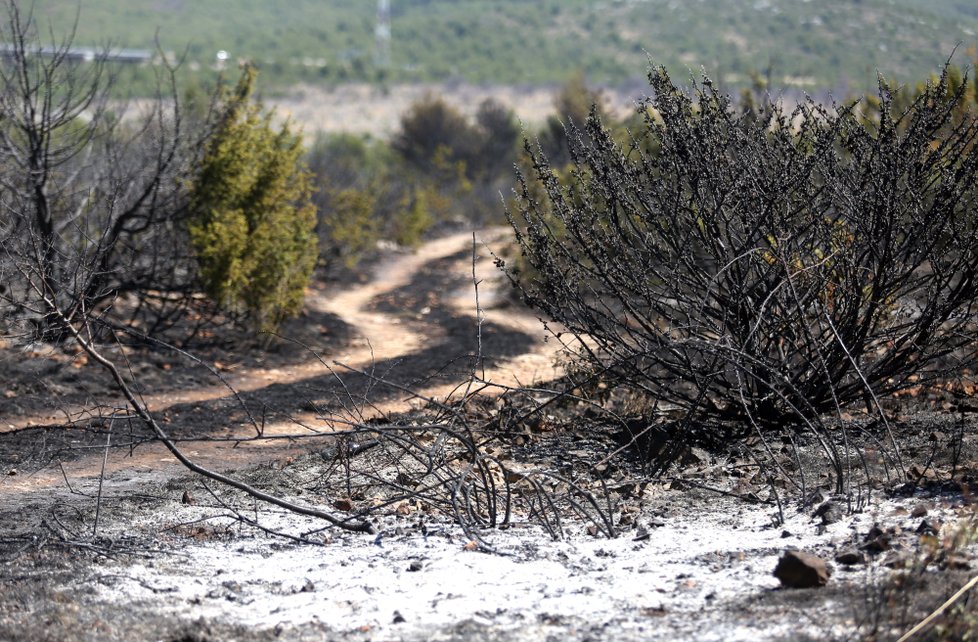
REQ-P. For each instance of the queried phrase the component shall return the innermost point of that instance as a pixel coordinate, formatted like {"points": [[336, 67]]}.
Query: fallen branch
{"points": [[143, 413]]}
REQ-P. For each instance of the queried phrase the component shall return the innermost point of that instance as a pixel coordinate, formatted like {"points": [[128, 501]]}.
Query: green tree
{"points": [[349, 224], [253, 222], [434, 133], [572, 105], [500, 134], [415, 216]]}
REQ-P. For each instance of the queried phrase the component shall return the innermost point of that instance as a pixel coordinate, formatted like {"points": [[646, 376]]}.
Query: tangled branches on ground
{"points": [[445, 461], [446, 468], [764, 267]]}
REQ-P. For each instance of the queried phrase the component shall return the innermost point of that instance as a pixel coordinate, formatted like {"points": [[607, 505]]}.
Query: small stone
{"points": [[920, 474], [696, 456], [877, 540], [830, 512], [677, 484], [415, 566], [513, 476], [603, 470], [850, 557], [801, 570], [921, 510], [957, 562], [343, 504], [786, 534], [894, 560], [626, 489], [398, 618], [642, 534], [654, 611], [926, 528], [403, 508]]}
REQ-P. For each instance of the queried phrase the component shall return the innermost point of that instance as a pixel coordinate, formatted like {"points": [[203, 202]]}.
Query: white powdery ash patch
{"points": [[684, 582]]}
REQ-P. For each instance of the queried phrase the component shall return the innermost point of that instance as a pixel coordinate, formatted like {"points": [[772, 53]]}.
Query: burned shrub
{"points": [[766, 267], [93, 221]]}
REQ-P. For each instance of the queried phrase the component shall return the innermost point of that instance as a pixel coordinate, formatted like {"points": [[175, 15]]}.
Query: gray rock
{"points": [[877, 540], [850, 557], [830, 512], [921, 509], [801, 570], [927, 527]]}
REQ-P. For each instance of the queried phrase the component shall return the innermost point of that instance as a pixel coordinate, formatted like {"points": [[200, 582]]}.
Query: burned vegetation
{"points": [[768, 304], [765, 273]]}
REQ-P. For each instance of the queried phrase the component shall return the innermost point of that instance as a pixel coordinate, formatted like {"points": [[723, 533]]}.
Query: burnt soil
{"points": [[102, 532]]}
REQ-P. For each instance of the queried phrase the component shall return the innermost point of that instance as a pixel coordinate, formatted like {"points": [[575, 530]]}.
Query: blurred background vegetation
{"points": [[816, 46], [451, 161]]}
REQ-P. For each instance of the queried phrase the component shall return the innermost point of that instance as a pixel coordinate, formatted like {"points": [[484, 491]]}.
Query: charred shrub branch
{"points": [[767, 266]]}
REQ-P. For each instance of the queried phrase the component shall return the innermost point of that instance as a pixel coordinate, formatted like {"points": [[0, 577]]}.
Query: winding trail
{"points": [[392, 335], [416, 326]]}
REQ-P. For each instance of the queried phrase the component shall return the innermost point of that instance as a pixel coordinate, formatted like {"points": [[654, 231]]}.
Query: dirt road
{"points": [[124, 557], [413, 325]]}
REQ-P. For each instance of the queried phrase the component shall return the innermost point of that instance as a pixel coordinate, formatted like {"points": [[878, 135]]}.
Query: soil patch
{"points": [[103, 536]]}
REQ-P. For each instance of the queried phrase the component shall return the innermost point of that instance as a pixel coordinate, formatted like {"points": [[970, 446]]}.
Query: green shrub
{"points": [[253, 223], [572, 105], [415, 217], [464, 162], [961, 90], [349, 224]]}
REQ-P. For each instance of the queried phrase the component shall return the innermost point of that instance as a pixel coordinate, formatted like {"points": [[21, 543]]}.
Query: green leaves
{"points": [[253, 223]]}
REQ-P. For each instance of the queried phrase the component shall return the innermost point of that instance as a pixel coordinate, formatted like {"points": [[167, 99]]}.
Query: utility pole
{"points": [[382, 55]]}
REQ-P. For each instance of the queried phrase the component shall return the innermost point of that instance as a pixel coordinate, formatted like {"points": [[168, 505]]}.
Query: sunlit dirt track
{"points": [[415, 326]]}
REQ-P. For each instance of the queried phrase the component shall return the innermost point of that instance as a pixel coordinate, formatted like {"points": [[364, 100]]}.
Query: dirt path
{"points": [[414, 324], [393, 333], [131, 561]]}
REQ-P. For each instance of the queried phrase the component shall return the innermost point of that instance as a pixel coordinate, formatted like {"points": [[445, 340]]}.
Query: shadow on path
{"points": [[423, 306]]}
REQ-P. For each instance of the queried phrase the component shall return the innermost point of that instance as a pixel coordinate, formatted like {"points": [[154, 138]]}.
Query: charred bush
{"points": [[93, 208], [768, 266]]}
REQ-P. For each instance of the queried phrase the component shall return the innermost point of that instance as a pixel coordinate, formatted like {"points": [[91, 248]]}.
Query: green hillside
{"points": [[812, 44]]}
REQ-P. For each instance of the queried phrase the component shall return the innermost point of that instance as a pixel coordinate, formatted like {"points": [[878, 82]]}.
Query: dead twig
{"points": [[140, 409], [927, 621]]}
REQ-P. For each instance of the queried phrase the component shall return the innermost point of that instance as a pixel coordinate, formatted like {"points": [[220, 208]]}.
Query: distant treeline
{"points": [[812, 46]]}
